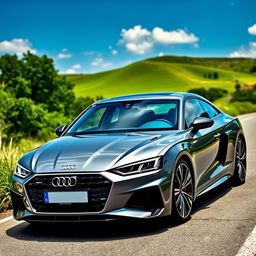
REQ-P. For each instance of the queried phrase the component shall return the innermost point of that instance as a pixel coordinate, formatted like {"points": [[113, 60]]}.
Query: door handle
{"points": [[216, 135]]}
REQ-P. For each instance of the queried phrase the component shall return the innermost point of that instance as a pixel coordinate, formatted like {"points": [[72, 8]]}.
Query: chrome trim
{"points": [[64, 181]]}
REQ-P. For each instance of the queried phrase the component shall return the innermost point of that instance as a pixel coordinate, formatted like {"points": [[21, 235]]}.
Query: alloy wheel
{"points": [[241, 160], [183, 190]]}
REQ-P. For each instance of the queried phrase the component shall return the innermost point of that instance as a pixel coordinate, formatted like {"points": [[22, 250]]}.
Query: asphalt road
{"points": [[220, 223]]}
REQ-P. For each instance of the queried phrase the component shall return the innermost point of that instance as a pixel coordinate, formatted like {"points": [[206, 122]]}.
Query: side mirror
{"points": [[60, 129], [201, 123]]}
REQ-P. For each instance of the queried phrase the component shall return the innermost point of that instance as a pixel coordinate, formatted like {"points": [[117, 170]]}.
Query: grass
{"points": [[235, 108], [9, 155], [155, 76], [234, 64]]}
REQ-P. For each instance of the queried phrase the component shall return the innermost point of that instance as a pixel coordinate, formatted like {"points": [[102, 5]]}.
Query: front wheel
{"points": [[183, 190], [240, 162]]}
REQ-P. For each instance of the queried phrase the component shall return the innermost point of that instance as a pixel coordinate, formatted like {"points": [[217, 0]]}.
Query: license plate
{"points": [[66, 197]]}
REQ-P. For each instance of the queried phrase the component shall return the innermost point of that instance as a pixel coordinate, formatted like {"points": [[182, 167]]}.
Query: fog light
{"points": [[18, 187]]}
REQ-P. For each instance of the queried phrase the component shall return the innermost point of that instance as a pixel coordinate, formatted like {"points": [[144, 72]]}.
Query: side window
{"points": [[192, 110], [211, 111]]}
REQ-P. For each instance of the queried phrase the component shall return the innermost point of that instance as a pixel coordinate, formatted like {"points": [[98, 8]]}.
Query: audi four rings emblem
{"points": [[64, 181]]}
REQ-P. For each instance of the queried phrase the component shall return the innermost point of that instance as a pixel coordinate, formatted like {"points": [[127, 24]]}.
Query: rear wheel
{"points": [[240, 162], [183, 190]]}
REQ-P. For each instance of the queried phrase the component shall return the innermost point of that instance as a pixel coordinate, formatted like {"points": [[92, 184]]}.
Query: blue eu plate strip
{"points": [[46, 198]]}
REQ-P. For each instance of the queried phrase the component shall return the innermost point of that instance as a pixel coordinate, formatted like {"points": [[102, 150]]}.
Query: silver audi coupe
{"points": [[135, 156]]}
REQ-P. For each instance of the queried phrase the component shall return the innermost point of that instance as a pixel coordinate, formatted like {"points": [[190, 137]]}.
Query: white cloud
{"points": [[252, 30], [89, 52], [135, 34], [246, 52], [161, 54], [114, 52], [17, 46], [99, 62], [77, 66], [139, 40], [178, 36], [73, 69], [70, 71], [64, 56], [139, 48]]}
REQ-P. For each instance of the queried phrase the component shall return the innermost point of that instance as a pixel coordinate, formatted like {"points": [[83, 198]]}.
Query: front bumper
{"points": [[144, 195]]}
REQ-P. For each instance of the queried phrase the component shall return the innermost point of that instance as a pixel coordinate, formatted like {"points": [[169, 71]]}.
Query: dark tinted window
{"points": [[211, 111], [193, 109]]}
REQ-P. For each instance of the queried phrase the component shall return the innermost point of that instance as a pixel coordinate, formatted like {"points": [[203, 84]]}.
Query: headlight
{"points": [[140, 167], [21, 171]]}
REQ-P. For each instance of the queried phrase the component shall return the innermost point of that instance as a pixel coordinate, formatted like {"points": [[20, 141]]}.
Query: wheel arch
{"points": [[184, 155]]}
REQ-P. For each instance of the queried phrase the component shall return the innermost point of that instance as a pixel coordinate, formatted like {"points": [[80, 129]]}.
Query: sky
{"points": [[88, 36]]}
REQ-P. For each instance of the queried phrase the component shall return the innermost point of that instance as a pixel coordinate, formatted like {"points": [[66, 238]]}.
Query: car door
{"points": [[203, 145]]}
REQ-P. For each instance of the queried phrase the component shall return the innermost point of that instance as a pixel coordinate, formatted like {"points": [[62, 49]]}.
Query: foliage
{"points": [[211, 94], [82, 103], [36, 78], [213, 75], [9, 155], [246, 65], [245, 95], [34, 99], [235, 108]]}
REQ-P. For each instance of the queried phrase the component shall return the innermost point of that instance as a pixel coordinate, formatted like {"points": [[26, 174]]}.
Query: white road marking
{"points": [[6, 219], [249, 246]]}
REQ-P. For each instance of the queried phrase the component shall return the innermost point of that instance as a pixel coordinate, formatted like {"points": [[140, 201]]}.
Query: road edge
{"points": [[6, 219]]}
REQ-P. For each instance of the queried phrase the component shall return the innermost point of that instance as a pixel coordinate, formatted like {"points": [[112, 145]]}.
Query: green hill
{"points": [[166, 73], [246, 65]]}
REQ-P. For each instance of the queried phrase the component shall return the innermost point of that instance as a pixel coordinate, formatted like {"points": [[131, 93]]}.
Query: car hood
{"points": [[96, 152]]}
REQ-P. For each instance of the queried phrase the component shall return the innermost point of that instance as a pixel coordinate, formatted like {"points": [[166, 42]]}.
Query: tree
{"points": [[237, 86], [253, 69], [34, 99], [215, 75], [35, 77]]}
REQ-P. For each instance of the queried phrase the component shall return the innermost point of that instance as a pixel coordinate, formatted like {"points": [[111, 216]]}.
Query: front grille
{"points": [[97, 186]]}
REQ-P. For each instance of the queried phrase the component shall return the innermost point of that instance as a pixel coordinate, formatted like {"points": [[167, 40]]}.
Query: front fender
{"points": [[170, 160]]}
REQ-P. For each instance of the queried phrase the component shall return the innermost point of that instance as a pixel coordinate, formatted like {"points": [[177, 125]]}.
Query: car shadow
{"points": [[107, 231], [205, 200]]}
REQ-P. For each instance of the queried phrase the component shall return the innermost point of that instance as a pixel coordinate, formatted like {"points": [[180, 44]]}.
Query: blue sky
{"points": [[90, 36]]}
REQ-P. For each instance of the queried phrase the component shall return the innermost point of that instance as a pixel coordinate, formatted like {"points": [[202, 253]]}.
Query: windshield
{"points": [[140, 115]]}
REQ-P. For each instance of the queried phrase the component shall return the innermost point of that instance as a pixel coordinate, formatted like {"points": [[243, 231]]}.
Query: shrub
{"points": [[211, 94]]}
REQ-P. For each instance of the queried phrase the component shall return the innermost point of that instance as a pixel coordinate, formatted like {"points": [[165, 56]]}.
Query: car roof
{"points": [[145, 96]]}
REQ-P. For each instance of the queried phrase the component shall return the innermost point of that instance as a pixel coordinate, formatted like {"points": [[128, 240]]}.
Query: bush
{"points": [[245, 95], [211, 94]]}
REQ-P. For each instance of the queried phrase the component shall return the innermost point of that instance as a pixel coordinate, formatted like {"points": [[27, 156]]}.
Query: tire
{"points": [[183, 191], [239, 175]]}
